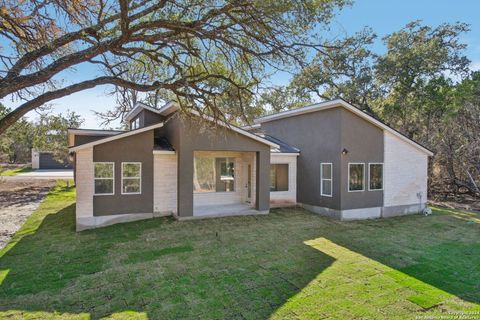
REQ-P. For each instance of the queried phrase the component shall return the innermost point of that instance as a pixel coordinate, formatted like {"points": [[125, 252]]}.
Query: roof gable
{"points": [[341, 103], [165, 110]]}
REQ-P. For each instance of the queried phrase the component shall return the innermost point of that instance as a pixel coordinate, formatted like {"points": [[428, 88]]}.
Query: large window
{"points": [[135, 124], [356, 177], [104, 178], [375, 176], [326, 179], [214, 174], [131, 177], [279, 177]]}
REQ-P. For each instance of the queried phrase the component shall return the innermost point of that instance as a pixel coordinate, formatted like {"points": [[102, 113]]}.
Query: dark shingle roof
{"points": [[284, 147], [162, 143]]}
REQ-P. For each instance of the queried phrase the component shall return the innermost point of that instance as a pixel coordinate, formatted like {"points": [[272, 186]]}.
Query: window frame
{"points": [[215, 174], [234, 184], [363, 178], [135, 124], [112, 178], [288, 176], [122, 178], [370, 163], [322, 179]]}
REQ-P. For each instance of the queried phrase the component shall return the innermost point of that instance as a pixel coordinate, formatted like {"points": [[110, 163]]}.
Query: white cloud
{"points": [[475, 65]]}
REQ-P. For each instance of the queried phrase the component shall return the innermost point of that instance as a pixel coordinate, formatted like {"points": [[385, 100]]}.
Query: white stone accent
{"points": [[84, 183], [165, 183], [362, 213], [103, 221], [405, 172], [285, 198]]}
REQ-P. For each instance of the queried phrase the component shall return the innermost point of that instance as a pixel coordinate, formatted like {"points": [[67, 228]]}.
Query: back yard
{"points": [[289, 264]]}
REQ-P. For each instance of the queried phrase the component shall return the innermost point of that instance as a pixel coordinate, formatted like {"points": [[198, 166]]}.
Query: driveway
{"points": [[19, 197], [60, 174]]}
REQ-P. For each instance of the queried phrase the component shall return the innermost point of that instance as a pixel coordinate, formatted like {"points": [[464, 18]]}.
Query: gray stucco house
{"points": [[329, 158]]}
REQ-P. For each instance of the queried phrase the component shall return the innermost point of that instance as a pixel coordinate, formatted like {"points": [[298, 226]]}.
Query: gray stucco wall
{"points": [[318, 136], [136, 148], [187, 134], [147, 118], [321, 136], [364, 143]]}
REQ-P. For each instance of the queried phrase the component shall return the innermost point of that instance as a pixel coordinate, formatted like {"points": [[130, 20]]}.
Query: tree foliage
{"points": [[48, 133], [196, 50]]}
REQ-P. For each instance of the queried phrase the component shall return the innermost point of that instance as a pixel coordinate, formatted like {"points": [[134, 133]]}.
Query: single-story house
{"points": [[329, 158]]}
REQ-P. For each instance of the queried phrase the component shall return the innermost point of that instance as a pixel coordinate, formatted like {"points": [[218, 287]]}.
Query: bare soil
{"points": [[461, 202], [18, 199]]}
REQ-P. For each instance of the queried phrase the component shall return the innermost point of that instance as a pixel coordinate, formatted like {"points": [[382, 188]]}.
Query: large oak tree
{"points": [[195, 50]]}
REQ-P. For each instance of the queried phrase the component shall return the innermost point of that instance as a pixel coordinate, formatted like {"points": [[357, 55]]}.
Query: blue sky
{"points": [[383, 16]]}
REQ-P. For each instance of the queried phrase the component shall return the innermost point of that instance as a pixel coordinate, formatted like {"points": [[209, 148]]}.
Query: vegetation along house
{"points": [[330, 158]]}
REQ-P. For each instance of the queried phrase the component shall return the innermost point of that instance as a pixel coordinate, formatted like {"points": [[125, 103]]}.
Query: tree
{"points": [[345, 68], [195, 49], [50, 133], [16, 143], [417, 55], [457, 160]]}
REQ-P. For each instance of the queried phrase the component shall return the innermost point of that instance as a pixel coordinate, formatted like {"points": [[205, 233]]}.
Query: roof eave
{"points": [[115, 137], [342, 103]]}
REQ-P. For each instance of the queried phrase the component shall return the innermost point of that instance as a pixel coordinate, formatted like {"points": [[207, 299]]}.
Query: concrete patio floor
{"points": [[225, 210]]}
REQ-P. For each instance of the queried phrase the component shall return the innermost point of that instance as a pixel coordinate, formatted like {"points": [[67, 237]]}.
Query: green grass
{"points": [[289, 264], [13, 172]]}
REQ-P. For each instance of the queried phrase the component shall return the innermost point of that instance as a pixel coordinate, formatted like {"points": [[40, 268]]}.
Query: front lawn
{"points": [[289, 264]]}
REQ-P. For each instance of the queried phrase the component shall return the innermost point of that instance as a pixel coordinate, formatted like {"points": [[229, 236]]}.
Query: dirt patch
{"points": [[18, 199], [461, 202]]}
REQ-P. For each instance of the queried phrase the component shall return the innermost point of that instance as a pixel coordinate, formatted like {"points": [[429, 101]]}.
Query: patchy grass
{"points": [[289, 264], [13, 172]]}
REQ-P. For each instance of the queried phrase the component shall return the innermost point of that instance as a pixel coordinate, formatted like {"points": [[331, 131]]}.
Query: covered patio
{"points": [[224, 183]]}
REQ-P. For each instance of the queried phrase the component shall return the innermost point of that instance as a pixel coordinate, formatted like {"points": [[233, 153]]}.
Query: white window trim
{"points": [[370, 163], [363, 179], [128, 178], [112, 178], [288, 175], [322, 179]]}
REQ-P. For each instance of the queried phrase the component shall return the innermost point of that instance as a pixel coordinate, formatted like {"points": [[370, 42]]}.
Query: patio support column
{"points": [[262, 194], [185, 183]]}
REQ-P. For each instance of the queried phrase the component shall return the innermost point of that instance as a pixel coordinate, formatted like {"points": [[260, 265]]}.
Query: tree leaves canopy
{"points": [[196, 50]]}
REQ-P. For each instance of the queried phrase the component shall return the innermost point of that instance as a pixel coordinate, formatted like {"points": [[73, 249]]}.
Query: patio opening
{"points": [[223, 183]]}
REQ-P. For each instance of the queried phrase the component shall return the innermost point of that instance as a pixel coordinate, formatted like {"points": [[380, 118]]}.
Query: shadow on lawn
{"points": [[441, 250], [245, 267], [162, 268]]}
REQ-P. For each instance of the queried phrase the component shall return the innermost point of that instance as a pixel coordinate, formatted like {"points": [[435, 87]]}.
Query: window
{"points": [[356, 176], [279, 177], [135, 124], [104, 178], [326, 179], [375, 176], [131, 177], [227, 174], [214, 174]]}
